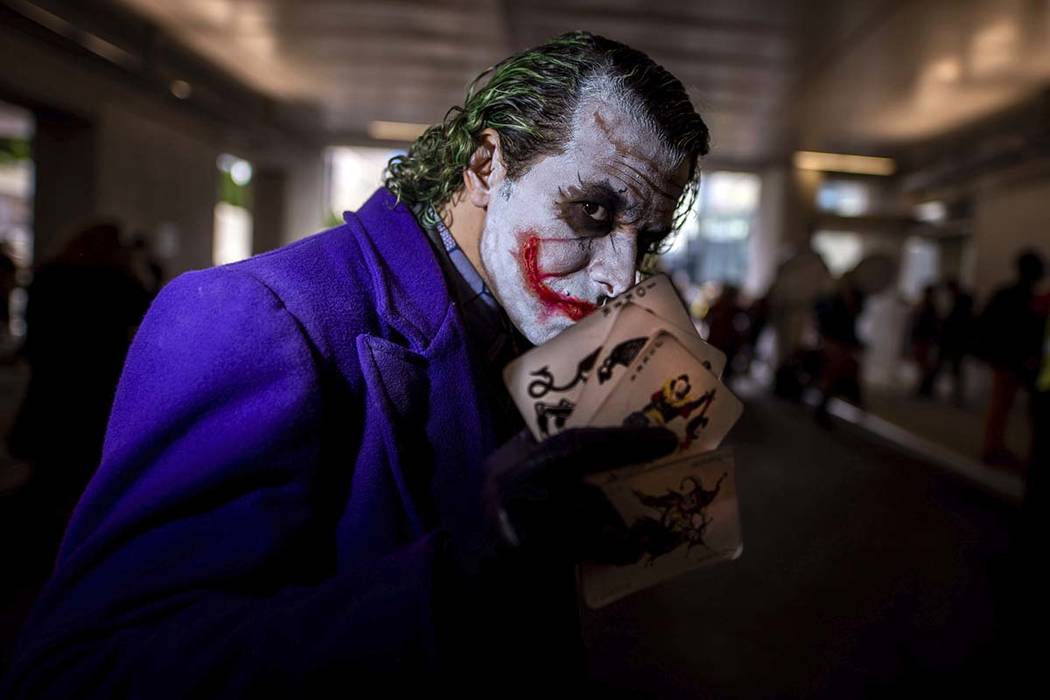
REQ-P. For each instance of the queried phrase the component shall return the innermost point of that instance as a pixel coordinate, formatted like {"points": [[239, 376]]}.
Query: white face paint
{"points": [[566, 233]]}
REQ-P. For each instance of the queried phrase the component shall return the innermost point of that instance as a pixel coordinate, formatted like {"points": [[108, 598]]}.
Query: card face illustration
{"points": [[667, 386], [683, 513], [546, 382], [635, 326]]}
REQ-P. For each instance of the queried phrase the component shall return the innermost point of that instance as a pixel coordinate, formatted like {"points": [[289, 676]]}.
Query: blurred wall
{"points": [[151, 175], [269, 187], [1008, 218]]}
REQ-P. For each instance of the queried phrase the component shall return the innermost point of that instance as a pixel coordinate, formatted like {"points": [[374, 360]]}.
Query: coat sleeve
{"points": [[185, 569]]}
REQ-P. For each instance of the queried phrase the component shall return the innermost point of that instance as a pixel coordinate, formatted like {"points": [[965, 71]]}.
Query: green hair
{"points": [[530, 99]]}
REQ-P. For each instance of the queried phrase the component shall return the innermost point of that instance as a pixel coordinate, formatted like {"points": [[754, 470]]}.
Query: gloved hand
{"points": [[505, 592], [536, 500]]}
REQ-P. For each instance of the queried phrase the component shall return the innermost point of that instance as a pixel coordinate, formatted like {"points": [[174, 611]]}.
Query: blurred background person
{"points": [[83, 308], [8, 284], [836, 317], [1011, 337], [1039, 455], [799, 285], [956, 337], [924, 334], [146, 265], [727, 324]]}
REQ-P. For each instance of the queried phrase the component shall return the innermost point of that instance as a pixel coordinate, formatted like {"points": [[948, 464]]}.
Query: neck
{"points": [[466, 222]]}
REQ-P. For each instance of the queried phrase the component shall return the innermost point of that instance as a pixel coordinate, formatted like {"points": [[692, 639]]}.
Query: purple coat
{"points": [[287, 434]]}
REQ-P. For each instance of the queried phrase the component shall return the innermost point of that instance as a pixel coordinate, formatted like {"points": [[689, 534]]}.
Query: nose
{"points": [[612, 265]]}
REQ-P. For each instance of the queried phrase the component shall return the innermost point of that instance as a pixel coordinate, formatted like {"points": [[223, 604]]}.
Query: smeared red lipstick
{"points": [[554, 301]]}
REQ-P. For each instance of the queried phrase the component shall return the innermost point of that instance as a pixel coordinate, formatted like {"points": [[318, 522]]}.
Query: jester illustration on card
{"points": [[665, 385], [682, 518], [676, 400]]}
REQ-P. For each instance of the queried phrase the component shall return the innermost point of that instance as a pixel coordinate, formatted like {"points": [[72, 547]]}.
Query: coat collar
{"points": [[411, 291]]}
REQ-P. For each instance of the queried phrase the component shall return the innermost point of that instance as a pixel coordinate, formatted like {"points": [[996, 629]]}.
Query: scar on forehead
{"points": [[624, 151], [636, 179]]}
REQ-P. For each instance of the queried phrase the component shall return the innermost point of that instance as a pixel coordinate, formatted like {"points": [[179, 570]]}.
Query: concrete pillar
{"points": [[767, 233], [65, 157], [268, 215], [305, 205], [800, 211]]}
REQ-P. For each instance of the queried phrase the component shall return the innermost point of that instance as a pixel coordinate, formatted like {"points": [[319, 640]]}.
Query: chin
{"points": [[542, 332], [537, 323]]}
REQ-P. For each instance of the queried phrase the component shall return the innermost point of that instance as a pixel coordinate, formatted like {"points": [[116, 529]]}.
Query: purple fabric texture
{"points": [[287, 434]]}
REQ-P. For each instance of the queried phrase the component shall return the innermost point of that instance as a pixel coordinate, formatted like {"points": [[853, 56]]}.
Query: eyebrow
{"points": [[600, 191], [604, 192]]}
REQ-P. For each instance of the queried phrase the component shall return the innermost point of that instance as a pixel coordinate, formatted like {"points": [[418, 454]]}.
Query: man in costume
{"points": [[311, 453]]}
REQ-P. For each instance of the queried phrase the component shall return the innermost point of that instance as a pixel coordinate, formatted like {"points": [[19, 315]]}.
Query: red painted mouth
{"points": [[554, 301]]}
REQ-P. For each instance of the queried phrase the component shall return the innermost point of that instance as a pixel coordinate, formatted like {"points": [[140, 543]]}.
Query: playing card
{"points": [[657, 294], [634, 327], [546, 382], [683, 515], [666, 385]]}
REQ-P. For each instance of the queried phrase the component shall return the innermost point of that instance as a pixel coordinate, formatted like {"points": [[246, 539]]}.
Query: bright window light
{"points": [[233, 234], [844, 197], [354, 173], [840, 250]]}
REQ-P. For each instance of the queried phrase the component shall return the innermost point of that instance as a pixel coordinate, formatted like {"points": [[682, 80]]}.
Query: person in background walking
{"points": [[956, 336], [1011, 337], [925, 334]]}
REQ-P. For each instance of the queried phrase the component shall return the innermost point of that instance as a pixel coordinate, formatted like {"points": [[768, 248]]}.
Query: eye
{"points": [[596, 211]]}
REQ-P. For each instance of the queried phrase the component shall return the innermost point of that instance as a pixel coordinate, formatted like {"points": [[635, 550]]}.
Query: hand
{"points": [[536, 500], [506, 586]]}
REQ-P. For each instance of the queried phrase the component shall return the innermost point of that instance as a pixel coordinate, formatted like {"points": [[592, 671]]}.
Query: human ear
{"points": [[484, 172]]}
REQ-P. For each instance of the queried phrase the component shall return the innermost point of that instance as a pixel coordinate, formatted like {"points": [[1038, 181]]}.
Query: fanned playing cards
{"points": [[639, 361]]}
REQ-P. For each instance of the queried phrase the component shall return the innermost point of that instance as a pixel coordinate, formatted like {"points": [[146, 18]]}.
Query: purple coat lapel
{"points": [[423, 418]]}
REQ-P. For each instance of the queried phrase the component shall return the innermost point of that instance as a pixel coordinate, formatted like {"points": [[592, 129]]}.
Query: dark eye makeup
{"points": [[589, 208]]}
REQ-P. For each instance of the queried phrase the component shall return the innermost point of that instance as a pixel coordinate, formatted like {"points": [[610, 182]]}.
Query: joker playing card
{"points": [[546, 382], [668, 386], [635, 326], [681, 514]]}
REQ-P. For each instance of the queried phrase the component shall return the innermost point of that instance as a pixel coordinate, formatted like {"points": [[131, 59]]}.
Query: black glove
{"points": [[536, 501], [505, 597]]}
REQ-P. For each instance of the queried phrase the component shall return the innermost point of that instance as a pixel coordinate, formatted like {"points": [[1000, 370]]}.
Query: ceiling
{"points": [[867, 76]]}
